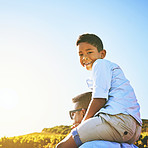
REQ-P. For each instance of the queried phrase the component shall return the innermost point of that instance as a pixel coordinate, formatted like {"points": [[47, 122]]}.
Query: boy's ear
{"points": [[103, 53]]}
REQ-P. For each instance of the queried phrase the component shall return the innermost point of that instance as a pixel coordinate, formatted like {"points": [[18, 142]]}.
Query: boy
{"points": [[113, 113]]}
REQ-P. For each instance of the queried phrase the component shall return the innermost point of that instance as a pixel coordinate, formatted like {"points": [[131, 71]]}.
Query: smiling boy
{"points": [[113, 113]]}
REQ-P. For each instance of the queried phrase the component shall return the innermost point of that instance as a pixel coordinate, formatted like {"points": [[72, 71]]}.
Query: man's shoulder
{"points": [[106, 144]]}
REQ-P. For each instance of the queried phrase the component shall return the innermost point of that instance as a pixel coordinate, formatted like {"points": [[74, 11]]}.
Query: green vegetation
{"points": [[64, 130], [49, 137]]}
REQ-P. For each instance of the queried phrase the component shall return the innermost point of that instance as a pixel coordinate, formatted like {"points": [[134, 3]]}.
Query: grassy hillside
{"points": [[49, 137]]}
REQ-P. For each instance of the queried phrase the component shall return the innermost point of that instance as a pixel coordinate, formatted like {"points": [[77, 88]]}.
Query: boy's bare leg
{"points": [[67, 142]]}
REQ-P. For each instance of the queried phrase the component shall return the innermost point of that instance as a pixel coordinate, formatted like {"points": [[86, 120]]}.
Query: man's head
{"points": [[81, 103], [90, 48]]}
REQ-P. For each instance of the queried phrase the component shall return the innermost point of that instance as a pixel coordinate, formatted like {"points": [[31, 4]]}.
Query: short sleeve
{"points": [[101, 76]]}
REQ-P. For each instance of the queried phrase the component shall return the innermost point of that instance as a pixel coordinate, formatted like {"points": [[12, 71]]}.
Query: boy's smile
{"points": [[89, 54]]}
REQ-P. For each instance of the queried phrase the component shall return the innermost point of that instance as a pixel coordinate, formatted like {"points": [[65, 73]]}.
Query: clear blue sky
{"points": [[39, 65]]}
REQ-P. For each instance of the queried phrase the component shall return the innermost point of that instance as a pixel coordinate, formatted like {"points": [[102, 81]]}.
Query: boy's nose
{"points": [[85, 58]]}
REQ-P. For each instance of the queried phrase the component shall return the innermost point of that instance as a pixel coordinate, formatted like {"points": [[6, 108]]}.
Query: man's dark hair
{"points": [[83, 100], [91, 39]]}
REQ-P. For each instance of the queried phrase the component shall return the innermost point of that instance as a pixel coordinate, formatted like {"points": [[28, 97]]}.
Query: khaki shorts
{"points": [[119, 128]]}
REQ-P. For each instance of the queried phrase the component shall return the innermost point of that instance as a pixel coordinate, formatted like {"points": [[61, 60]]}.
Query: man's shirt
{"points": [[106, 144]]}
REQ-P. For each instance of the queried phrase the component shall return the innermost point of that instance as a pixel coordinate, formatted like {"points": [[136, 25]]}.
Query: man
{"points": [[81, 103]]}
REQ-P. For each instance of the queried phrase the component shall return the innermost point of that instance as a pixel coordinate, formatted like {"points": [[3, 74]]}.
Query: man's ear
{"points": [[83, 111], [103, 53]]}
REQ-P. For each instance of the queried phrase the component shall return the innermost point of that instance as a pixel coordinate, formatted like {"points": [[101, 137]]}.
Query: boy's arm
{"points": [[95, 105]]}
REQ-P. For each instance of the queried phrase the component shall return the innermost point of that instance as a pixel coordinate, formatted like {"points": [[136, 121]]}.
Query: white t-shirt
{"points": [[106, 144], [108, 81]]}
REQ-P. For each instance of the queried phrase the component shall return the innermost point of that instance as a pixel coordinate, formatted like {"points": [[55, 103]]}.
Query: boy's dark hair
{"points": [[83, 100], [91, 39]]}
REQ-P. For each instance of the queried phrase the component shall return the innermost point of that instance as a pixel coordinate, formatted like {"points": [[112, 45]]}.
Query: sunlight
{"points": [[8, 98]]}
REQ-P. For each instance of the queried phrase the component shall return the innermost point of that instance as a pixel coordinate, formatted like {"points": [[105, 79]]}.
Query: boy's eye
{"points": [[89, 52], [80, 54]]}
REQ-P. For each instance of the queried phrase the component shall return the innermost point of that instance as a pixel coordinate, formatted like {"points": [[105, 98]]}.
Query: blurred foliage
{"points": [[49, 137], [143, 140], [62, 129]]}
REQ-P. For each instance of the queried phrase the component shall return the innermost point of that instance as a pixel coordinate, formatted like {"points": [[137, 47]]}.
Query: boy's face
{"points": [[89, 54]]}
